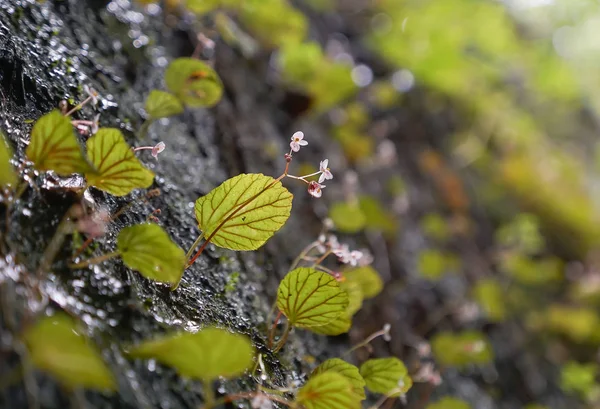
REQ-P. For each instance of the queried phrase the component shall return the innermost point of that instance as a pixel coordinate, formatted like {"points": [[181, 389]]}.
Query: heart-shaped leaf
{"points": [[328, 390], [367, 279], [347, 217], [386, 375], [161, 104], [345, 369], [244, 211], [194, 82], [7, 171], [311, 298], [208, 354], [338, 326], [118, 169], [58, 347], [148, 249], [53, 146]]}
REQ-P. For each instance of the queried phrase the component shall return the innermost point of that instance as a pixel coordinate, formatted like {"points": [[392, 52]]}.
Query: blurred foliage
{"points": [[433, 264], [461, 349], [580, 379], [490, 296]]}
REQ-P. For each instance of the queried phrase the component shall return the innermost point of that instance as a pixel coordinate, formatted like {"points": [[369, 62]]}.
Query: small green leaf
{"points": [[245, 211], [579, 379], [355, 295], [491, 297], [388, 376], [53, 146], [274, 22], [202, 6], [208, 354], [119, 171], [194, 82], [349, 371], [57, 346], [367, 278], [328, 390], [148, 249], [377, 217], [338, 326], [347, 217], [311, 298], [7, 171], [468, 347], [161, 104], [449, 402]]}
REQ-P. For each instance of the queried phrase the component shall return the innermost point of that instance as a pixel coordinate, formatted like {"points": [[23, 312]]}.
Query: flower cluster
{"points": [[330, 243], [315, 189]]}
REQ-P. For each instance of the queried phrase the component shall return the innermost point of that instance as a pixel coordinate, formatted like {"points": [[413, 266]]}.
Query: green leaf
{"points": [[347, 217], [148, 249], [119, 171], [328, 390], [161, 104], [311, 298], [244, 211], [57, 346], [274, 22], [580, 379], [208, 354], [202, 6], [491, 297], [53, 146], [338, 326], [432, 263], [367, 278], [300, 62], [349, 371], [7, 171], [355, 295], [448, 402], [194, 82], [377, 217], [388, 376], [468, 347]]}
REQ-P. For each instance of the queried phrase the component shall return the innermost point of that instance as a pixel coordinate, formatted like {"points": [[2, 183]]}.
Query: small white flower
{"points": [[342, 253], [158, 149], [92, 93], [325, 172], [298, 141], [423, 349], [354, 257], [366, 259], [328, 224], [95, 125], [261, 402], [386, 332], [321, 244], [332, 242], [315, 189]]}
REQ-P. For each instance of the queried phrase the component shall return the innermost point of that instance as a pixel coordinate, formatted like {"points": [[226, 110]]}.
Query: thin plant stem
{"points": [[250, 395], [284, 337], [273, 328], [191, 250], [78, 106], [324, 269], [323, 257], [84, 246], [303, 254], [366, 341], [209, 395], [65, 227], [95, 260], [272, 311]]}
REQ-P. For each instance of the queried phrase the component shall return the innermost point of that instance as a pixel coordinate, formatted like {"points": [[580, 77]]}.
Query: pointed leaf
{"points": [[7, 171], [311, 298], [385, 375], [53, 146], [118, 169], [367, 278], [207, 354], [161, 104], [349, 371], [194, 82], [245, 211], [148, 249], [328, 390], [338, 326], [57, 346]]}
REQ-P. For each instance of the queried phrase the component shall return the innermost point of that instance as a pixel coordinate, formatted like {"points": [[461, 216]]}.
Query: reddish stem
{"points": [[273, 328]]}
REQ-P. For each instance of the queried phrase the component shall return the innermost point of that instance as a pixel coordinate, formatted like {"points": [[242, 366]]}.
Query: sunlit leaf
{"points": [[468, 347], [244, 211], [368, 279], [208, 354], [332, 86], [490, 295], [118, 169], [347, 217], [311, 298], [328, 390], [345, 369], [435, 226], [202, 6], [448, 402], [7, 172], [577, 323], [274, 22], [193, 82], [300, 62], [57, 346], [355, 294], [148, 249], [533, 272], [338, 326], [386, 375], [53, 146], [161, 104], [579, 379]]}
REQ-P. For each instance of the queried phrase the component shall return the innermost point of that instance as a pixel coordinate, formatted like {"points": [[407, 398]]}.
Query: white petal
{"points": [[322, 178], [302, 143], [324, 164], [299, 135]]}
